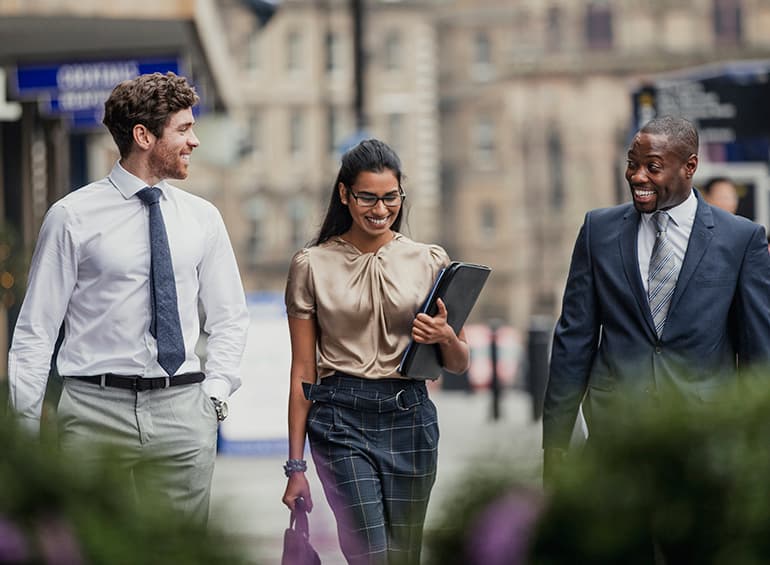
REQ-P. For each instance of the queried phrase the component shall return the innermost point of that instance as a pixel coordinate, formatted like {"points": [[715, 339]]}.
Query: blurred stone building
{"points": [[512, 117], [536, 115], [298, 79], [51, 138]]}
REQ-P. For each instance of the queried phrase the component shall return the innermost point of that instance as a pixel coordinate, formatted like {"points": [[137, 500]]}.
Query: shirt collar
{"points": [[128, 184], [681, 214]]}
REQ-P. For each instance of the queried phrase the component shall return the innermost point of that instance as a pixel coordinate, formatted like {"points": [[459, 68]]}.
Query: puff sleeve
{"points": [[300, 295], [438, 258]]}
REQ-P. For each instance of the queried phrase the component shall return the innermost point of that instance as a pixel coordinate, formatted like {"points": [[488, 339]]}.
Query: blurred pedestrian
{"points": [[722, 193], [351, 299], [664, 295], [125, 263]]}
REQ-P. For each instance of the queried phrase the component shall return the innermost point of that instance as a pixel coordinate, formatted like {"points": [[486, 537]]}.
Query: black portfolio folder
{"points": [[458, 285]]}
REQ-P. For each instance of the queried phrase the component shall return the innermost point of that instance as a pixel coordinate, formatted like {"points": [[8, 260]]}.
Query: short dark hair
{"points": [[706, 188], [679, 131], [149, 100], [370, 155]]}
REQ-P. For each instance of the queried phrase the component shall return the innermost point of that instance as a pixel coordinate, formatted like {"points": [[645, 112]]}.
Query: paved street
{"points": [[247, 490]]}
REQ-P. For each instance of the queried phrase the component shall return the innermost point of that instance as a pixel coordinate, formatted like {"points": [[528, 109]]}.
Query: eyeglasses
{"points": [[369, 200]]}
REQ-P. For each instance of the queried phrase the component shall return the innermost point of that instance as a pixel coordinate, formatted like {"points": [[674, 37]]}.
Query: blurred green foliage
{"points": [[676, 483], [53, 511]]}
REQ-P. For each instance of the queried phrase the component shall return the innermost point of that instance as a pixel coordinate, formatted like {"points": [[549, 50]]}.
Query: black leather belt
{"points": [[133, 382]]}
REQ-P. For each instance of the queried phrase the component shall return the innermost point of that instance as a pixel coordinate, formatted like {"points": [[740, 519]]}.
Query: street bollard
{"points": [[538, 346], [494, 384]]}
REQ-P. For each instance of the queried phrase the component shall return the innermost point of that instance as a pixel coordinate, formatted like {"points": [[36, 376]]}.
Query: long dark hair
{"points": [[371, 155]]}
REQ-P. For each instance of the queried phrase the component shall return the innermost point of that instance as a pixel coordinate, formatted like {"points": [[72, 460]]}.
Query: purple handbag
{"points": [[296, 539]]}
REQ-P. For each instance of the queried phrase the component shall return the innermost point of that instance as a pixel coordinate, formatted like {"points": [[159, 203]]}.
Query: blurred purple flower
{"points": [[13, 545], [58, 544], [502, 532]]}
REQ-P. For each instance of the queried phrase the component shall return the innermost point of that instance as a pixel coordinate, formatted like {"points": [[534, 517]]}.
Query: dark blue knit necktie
{"points": [[164, 324]]}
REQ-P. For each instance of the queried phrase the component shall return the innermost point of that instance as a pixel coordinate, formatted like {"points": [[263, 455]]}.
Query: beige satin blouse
{"points": [[363, 303]]}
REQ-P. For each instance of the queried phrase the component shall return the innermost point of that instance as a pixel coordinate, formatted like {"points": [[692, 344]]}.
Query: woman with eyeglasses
{"points": [[351, 299]]}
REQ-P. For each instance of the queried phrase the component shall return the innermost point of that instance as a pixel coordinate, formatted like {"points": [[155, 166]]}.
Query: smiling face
{"points": [[659, 176], [371, 224], [169, 158]]}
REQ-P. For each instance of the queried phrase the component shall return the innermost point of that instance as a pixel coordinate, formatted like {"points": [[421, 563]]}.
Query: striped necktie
{"points": [[663, 274]]}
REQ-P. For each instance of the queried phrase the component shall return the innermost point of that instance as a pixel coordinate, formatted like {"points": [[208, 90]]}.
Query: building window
{"points": [[293, 51], [553, 38], [298, 223], [482, 57], [482, 51], [728, 28], [256, 242], [296, 133], [253, 59], [484, 139], [556, 168], [395, 132], [488, 222], [255, 131], [393, 51], [334, 129], [599, 25], [333, 52]]}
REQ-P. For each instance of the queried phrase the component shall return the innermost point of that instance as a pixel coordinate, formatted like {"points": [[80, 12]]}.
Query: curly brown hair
{"points": [[149, 100]]}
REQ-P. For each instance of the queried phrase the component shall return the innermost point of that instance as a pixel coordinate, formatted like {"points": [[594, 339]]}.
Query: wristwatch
{"points": [[221, 408]]}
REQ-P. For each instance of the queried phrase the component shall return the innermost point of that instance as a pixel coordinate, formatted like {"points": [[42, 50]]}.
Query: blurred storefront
{"points": [[58, 63]]}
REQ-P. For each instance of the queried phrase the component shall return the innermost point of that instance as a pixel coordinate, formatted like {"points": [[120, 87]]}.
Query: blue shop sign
{"points": [[33, 80]]}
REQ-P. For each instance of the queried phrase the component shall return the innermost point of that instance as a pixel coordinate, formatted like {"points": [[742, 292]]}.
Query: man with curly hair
{"points": [[134, 268]]}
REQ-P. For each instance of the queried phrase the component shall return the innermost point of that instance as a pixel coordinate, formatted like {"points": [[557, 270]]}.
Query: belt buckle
{"points": [[398, 404]]}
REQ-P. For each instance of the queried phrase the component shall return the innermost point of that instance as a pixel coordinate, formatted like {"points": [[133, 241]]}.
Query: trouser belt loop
{"points": [[103, 379]]}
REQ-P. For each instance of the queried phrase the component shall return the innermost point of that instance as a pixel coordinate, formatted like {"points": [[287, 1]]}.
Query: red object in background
{"points": [[509, 352]]}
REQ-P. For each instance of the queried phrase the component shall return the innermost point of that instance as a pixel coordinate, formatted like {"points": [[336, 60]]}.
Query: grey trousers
{"points": [[164, 439]]}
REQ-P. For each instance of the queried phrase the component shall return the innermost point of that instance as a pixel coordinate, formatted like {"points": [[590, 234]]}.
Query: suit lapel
{"points": [[700, 237], [629, 234]]}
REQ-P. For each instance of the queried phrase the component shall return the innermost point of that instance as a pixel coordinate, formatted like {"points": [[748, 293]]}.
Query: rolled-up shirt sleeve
{"points": [[226, 316], [52, 277]]}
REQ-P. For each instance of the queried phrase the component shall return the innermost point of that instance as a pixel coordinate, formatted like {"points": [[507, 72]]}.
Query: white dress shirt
{"points": [[90, 270], [678, 233]]}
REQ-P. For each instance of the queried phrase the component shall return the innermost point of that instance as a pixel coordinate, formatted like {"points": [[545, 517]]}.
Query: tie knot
{"points": [[149, 195], [661, 219]]}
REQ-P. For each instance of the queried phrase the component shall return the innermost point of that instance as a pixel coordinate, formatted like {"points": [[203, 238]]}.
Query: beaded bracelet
{"points": [[295, 466]]}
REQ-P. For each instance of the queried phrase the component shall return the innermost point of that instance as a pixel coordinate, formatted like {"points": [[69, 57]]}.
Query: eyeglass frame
{"points": [[401, 194]]}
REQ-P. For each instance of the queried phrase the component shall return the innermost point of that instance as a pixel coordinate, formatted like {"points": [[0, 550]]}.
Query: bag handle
{"points": [[298, 519]]}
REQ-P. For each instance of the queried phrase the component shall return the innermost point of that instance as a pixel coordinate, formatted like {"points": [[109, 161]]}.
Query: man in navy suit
{"points": [[614, 341]]}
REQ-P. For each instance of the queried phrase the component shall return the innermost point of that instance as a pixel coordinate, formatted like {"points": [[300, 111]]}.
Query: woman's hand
{"points": [[427, 329], [297, 487], [455, 354]]}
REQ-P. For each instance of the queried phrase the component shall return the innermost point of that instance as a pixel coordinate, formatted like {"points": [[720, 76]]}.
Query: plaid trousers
{"points": [[375, 448]]}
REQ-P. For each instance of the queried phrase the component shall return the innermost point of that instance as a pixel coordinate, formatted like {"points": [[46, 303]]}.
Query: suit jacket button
{"points": [[657, 349]]}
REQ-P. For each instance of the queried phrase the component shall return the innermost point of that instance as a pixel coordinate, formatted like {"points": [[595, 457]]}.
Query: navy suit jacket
{"points": [[605, 343]]}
